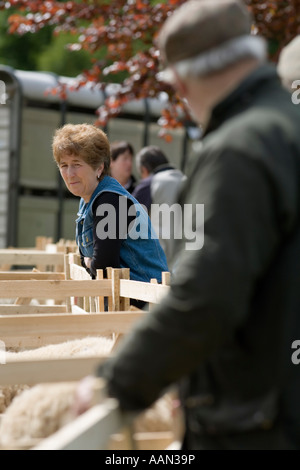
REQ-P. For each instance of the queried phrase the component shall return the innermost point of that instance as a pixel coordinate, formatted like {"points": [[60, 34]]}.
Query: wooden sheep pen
{"points": [[81, 315]]}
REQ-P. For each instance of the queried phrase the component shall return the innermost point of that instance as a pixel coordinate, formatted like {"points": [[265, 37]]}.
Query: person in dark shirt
{"points": [[106, 252], [159, 187], [147, 160]]}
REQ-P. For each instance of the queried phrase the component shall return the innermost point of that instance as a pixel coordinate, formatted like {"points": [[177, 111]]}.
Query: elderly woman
{"points": [[112, 228]]}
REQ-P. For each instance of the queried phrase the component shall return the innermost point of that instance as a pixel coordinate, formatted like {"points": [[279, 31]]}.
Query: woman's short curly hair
{"points": [[86, 141]]}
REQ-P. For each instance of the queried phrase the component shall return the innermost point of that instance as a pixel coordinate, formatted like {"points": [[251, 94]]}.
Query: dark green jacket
{"points": [[225, 330]]}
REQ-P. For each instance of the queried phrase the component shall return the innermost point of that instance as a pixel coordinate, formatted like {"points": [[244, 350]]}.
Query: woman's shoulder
{"points": [[112, 198]]}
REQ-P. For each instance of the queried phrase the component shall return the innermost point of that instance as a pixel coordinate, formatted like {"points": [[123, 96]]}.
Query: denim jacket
{"points": [[141, 251]]}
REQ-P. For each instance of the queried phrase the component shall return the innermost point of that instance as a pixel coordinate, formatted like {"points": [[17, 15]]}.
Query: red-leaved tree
{"points": [[126, 31]]}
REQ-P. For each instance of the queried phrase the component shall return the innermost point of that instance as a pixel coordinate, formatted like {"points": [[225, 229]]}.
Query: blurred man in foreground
{"points": [[226, 331]]}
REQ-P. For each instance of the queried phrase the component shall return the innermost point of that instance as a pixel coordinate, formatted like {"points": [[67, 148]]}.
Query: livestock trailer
{"points": [[33, 198]]}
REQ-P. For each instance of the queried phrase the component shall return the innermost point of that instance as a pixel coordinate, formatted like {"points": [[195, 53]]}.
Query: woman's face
{"points": [[121, 168], [79, 177]]}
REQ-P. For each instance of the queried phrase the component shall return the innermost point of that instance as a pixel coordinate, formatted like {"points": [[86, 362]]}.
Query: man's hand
{"points": [[90, 391]]}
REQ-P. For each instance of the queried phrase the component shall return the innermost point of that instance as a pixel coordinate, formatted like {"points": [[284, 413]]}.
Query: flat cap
{"points": [[201, 25]]}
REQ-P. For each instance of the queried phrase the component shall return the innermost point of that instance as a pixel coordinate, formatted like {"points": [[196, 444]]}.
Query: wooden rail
{"points": [[32, 326], [31, 275], [31, 372], [143, 291], [58, 290], [23, 257], [36, 330], [90, 431], [11, 309]]}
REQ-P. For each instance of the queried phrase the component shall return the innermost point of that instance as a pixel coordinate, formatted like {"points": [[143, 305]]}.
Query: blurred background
{"points": [[90, 61]]}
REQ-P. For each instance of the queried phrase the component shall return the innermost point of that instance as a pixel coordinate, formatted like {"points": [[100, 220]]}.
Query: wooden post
{"points": [[68, 277], [110, 300], [116, 289], [60, 249], [118, 302], [75, 258], [40, 244], [153, 281], [125, 301], [100, 306], [166, 278]]}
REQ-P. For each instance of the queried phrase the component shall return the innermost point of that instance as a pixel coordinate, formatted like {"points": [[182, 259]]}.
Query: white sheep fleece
{"points": [[43, 409], [89, 346], [37, 412]]}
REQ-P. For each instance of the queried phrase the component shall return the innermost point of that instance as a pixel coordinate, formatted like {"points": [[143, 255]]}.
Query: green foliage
{"points": [[120, 38], [41, 51], [22, 52], [58, 59]]}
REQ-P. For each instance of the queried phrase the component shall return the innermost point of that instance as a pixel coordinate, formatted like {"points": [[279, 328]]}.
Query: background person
{"points": [[109, 219], [225, 330], [160, 184], [121, 164]]}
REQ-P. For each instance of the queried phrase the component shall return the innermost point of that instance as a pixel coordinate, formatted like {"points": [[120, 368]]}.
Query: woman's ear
{"points": [[100, 170]]}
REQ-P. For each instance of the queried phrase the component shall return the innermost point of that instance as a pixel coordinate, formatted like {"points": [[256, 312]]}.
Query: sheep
{"points": [[34, 413], [90, 345], [7, 394], [158, 418], [80, 347], [43, 409]]}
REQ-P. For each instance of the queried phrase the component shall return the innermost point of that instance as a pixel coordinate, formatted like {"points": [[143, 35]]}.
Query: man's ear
{"points": [[144, 172], [179, 84]]}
